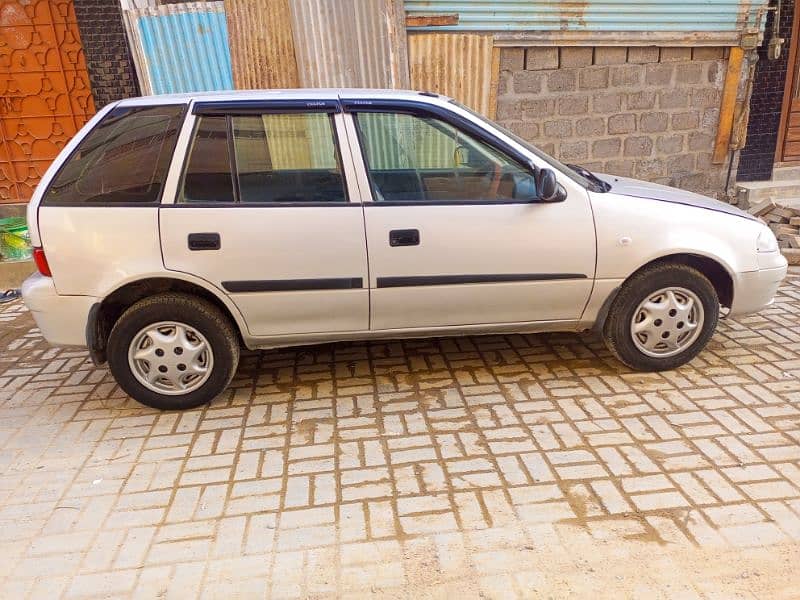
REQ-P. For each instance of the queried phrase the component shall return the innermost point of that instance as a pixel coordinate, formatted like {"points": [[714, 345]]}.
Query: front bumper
{"points": [[754, 290], [61, 319]]}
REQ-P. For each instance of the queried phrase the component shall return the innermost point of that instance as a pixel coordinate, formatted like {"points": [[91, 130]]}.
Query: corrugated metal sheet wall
{"points": [[459, 65], [262, 44], [593, 15], [350, 43], [180, 47]]}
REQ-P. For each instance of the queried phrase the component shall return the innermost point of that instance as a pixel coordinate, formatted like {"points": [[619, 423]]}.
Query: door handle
{"points": [[404, 237], [204, 241]]}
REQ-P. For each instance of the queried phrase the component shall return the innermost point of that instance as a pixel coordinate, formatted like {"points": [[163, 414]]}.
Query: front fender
{"points": [[632, 232]]}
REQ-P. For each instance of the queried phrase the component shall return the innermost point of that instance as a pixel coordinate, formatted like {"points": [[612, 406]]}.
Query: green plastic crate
{"points": [[15, 241]]}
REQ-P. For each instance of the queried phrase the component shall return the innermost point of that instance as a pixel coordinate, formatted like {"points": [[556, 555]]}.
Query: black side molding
{"points": [[293, 285], [387, 282]]}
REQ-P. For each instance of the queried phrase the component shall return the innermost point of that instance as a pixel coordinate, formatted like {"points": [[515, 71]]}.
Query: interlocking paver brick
{"points": [[453, 466]]}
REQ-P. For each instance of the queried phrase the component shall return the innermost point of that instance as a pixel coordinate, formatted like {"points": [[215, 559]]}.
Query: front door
{"points": [[454, 238], [263, 212]]}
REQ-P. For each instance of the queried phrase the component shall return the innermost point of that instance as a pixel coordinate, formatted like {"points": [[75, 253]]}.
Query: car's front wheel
{"points": [[662, 317], [173, 351]]}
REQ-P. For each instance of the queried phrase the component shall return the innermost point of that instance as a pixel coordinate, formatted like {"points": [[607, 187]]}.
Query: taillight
{"points": [[41, 262]]}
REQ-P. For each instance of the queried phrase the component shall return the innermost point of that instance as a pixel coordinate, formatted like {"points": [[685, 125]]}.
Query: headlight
{"points": [[766, 241]]}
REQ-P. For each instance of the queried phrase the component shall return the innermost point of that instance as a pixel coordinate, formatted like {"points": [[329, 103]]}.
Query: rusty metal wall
{"points": [[463, 66], [683, 18], [350, 43], [262, 45]]}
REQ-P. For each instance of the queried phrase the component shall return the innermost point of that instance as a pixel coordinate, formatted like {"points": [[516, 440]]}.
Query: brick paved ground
{"points": [[483, 467]]}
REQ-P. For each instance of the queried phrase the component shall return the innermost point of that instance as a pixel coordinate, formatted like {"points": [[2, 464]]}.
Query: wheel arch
{"points": [[105, 313], [713, 269]]}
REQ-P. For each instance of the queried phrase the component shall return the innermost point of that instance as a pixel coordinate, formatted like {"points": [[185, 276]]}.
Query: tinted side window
{"points": [[208, 171], [287, 158], [276, 158], [414, 158], [124, 159]]}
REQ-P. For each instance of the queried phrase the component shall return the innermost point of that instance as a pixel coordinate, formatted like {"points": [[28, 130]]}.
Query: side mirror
{"points": [[549, 188]]}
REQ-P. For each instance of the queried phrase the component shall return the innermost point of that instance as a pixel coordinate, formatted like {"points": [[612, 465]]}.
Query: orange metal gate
{"points": [[44, 90]]}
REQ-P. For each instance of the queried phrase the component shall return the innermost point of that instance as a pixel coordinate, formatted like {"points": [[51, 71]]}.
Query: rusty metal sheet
{"points": [[677, 16], [350, 43], [261, 44], [459, 65]]}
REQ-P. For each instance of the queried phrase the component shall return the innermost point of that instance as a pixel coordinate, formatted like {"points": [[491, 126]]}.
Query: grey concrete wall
{"points": [[643, 112]]}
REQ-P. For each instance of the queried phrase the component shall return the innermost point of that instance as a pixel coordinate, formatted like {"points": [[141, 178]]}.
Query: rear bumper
{"points": [[756, 289], [61, 319]]}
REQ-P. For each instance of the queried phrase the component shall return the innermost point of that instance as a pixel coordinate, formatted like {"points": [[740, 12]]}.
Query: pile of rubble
{"points": [[783, 217]]}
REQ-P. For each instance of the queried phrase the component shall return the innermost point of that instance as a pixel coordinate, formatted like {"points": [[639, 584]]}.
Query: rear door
{"points": [[263, 212]]}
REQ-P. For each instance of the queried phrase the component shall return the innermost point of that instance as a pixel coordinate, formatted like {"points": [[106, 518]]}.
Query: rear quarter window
{"points": [[123, 160]]}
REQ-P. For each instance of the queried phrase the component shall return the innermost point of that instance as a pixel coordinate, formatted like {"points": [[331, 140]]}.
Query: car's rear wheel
{"points": [[662, 317], [173, 351]]}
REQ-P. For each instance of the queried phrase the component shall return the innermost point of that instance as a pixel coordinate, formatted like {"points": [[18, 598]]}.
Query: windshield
{"points": [[552, 162]]}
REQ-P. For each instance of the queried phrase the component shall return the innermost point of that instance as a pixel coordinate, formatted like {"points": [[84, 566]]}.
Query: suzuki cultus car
{"points": [[174, 230]]}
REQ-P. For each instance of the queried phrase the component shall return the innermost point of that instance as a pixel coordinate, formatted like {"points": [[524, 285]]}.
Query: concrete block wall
{"points": [[644, 112]]}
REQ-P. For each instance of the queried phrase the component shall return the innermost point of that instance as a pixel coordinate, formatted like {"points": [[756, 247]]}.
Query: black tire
{"points": [[199, 314], [617, 327]]}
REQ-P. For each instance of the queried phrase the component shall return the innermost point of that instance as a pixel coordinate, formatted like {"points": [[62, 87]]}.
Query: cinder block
{"points": [[686, 120], [649, 169], [705, 98], [652, 122], [621, 124], [626, 75], [574, 151], [659, 74], [573, 105], [576, 56], [675, 54], [541, 58], [593, 78], [561, 81], [558, 129], [622, 168], [708, 53], [512, 59], [638, 146], [643, 54], [607, 103], [610, 55], [527, 82], [700, 141], [590, 127], [675, 98], [608, 148], [690, 72], [642, 100], [669, 144]]}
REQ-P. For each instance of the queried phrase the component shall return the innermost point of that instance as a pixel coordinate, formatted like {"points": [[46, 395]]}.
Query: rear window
{"points": [[123, 160]]}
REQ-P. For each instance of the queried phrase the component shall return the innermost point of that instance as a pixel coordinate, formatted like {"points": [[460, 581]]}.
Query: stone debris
{"points": [[783, 217]]}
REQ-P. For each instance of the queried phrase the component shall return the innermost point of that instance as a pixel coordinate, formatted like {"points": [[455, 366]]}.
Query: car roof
{"points": [[290, 94]]}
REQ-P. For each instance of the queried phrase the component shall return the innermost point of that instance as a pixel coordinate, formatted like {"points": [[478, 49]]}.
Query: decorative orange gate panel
{"points": [[44, 90]]}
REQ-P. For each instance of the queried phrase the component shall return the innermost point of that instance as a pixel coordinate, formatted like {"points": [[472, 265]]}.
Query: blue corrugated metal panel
{"points": [[187, 51], [592, 15]]}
